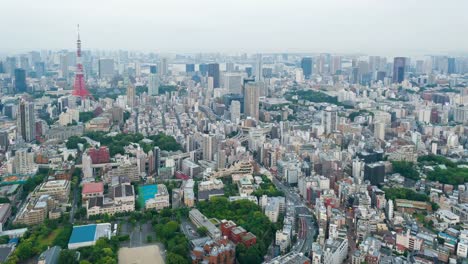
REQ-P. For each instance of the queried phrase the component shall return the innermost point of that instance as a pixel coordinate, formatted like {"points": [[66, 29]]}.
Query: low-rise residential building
{"points": [[290, 258], [35, 211], [406, 241], [448, 217]]}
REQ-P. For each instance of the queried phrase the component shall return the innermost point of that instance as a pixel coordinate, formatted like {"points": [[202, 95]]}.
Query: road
{"points": [[306, 223], [351, 233], [73, 206], [138, 234], [189, 229]]}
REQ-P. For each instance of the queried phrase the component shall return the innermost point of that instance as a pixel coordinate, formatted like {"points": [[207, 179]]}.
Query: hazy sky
{"points": [[387, 27]]}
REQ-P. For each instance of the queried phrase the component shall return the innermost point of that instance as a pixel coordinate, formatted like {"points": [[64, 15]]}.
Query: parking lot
{"points": [[189, 229], [138, 234]]}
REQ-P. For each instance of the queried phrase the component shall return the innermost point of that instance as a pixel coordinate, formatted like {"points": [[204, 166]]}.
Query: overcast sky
{"points": [[385, 27]]}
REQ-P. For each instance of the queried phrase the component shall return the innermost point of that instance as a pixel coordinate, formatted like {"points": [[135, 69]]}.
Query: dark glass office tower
{"points": [[20, 80], [213, 71], [399, 65], [306, 65]]}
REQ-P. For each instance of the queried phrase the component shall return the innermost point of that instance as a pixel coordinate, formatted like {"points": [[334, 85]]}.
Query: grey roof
{"points": [[205, 195], [4, 253], [95, 201], [51, 255]]}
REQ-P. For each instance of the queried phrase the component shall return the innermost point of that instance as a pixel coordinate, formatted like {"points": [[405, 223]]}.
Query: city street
{"points": [[306, 224]]}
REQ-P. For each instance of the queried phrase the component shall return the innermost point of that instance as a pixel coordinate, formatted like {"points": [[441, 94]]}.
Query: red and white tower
{"points": [[79, 88]]}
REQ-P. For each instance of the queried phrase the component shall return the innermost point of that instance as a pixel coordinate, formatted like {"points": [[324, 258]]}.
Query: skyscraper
{"points": [[259, 68], [163, 67], [157, 159], [39, 67], [203, 68], [213, 71], [64, 65], [451, 65], [229, 66], [106, 68], [252, 94], [20, 80], [153, 69], [131, 95], [153, 84], [329, 119], [233, 82], [25, 122], [306, 65], [189, 68], [235, 110], [399, 64], [208, 147]]}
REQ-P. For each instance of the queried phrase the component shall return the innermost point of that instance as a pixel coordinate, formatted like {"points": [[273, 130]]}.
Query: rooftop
{"points": [[92, 187], [83, 233]]}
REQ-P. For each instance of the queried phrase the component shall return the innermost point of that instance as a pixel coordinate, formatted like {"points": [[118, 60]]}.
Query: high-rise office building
{"points": [[336, 65], [10, 65], [153, 84], [213, 71], [251, 99], [20, 80], [26, 124], [153, 69], [399, 65], [233, 82], [306, 65], [229, 66], [208, 147], [189, 68], [248, 70], [163, 67], [106, 68], [451, 65], [379, 130], [235, 110], [259, 68], [39, 67], [157, 159], [330, 119], [64, 66], [131, 102], [203, 68]]}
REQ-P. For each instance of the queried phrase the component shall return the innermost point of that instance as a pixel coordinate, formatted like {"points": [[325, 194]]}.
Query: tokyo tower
{"points": [[79, 88]]}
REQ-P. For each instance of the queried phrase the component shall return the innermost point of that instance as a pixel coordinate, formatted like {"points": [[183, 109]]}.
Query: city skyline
{"points": [[388, 28]]}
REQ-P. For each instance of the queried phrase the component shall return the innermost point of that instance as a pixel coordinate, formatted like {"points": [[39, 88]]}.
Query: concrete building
{"points": [[26, 121], [252, 99], [58, 189], [335, 250], [87, 235], [199, 220], [153, 85], [160, 200], [106, 68]]}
